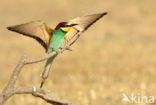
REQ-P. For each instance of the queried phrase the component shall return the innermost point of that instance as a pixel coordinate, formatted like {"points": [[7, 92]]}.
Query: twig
{"points": [[11, 90]]}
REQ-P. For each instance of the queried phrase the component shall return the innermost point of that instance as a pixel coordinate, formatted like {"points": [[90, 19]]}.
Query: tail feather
{"points": [[47, 69]]}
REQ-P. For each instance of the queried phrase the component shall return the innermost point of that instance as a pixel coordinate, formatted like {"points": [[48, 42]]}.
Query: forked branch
{"points": [[11, 90]]}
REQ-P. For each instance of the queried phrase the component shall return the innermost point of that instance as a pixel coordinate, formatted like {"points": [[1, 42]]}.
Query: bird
{"points": [[54, 39]]}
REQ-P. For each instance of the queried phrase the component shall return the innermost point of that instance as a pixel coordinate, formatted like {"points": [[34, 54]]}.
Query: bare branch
{"points": [[11, 90], [39, 93]]}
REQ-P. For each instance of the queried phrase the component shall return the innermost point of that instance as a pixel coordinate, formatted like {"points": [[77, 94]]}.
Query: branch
{"points": [[36, 60], [38, 92], [11, 90]]}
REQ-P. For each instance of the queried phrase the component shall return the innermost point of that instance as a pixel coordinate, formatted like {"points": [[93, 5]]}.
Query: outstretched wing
{"points": [[83, 23], [34, 29]]}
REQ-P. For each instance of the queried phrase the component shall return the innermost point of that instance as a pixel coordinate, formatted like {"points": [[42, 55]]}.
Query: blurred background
{"points": [[116, 55]]}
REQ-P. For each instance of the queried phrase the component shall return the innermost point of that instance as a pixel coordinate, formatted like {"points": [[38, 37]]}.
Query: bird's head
{"points": [[65, 26]]}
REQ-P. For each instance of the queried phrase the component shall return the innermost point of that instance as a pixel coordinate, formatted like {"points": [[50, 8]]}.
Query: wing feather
{"points": [[84, 23], [35, 29]]}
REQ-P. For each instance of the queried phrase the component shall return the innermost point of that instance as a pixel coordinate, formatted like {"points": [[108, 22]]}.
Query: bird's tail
{"points": [[46, 70]]}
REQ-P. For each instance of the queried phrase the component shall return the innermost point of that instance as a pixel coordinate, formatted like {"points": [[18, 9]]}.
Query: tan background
{"points": [[117, 54]]}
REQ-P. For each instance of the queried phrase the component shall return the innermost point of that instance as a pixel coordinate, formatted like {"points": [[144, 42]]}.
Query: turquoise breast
{"points": [[56, 40]]}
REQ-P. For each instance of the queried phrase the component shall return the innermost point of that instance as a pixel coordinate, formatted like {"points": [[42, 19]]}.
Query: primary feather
{"points": [[83, 23], [35, 29]]}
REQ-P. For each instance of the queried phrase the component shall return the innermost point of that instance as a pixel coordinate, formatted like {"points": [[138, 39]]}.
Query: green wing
{"points": [[83, 23], [35, 29]]}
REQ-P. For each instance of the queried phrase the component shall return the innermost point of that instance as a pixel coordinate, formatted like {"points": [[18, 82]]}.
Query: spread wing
{"points": [[83, 23], [36, 29]]}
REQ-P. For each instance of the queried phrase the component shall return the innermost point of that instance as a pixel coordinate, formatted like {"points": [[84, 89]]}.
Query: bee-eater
{"points": [[53, 39]]}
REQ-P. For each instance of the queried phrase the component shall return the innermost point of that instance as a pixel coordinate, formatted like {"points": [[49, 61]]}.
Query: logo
{"points": [[137, 98]]}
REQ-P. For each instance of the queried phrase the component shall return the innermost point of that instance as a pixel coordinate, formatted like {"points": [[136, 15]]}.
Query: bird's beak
{"points": [[71, 25]]}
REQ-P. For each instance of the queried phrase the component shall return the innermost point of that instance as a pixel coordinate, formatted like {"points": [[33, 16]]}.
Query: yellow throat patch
{"points": [[65, 29]]}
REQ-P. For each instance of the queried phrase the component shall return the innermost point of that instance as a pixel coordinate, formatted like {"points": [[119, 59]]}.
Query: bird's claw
{"points": [[69, 49], [60, 50]]}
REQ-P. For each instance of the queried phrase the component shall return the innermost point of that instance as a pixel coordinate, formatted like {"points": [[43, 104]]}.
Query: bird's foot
{"points": [[69, 49], [60, 50]]}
